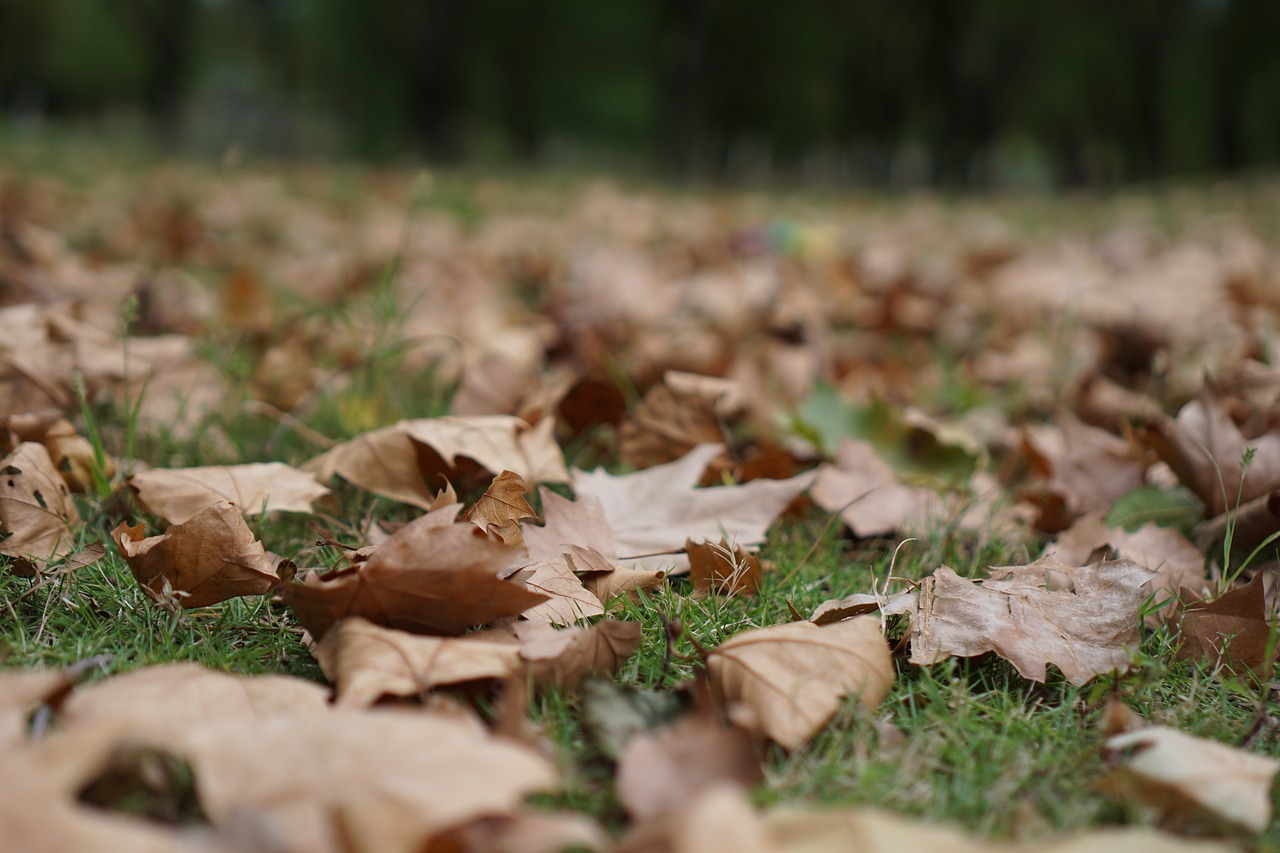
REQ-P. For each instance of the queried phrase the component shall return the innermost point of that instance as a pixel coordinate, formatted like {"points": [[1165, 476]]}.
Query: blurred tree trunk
{"points": [[434, 65], [683, 35], [168, 31]]}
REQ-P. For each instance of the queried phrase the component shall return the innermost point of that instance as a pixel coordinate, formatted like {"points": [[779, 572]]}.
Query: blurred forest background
{"points": [[952, 93]]}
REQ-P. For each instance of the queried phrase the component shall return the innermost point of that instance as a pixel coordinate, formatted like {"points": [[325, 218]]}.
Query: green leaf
{"points": [[1167, 507]]}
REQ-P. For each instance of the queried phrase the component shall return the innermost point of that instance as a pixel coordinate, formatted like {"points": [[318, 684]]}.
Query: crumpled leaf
{"points": [[396, 461], [566, 599], [791, 678], [1083, 619], [1232, 630], [1190, 780], [1082, 469], [1179, 565], [433, 576], [672, 420], [661, 772], [501, 508], [208, 558], [657, 509], [366, 662], [721, 568], [38, 518], [607, 581], [567, 656], [178, 494]]}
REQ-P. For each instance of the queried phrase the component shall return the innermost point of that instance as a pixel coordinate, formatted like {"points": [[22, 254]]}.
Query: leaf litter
{"points": [[718, 373]]}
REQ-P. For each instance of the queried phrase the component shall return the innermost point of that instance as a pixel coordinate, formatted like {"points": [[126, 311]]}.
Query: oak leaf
{"points": [[208, 558], [791, 678], [178, 494]]}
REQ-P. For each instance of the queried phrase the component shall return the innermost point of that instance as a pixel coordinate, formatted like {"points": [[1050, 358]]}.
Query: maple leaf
{"points": [[208, 558], [37, 515], [605, 580], [567, 656], [502, 508], [655, 510], [396, 461], [791, 678], [178, 494], [1084, 620], [431, 576], [366, 662], [567, 600], [1189, 779]]}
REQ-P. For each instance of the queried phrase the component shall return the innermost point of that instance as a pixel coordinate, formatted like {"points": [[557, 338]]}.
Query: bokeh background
{"points": [[955, 93]]}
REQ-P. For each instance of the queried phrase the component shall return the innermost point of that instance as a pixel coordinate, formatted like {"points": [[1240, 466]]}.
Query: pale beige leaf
{"points": [[1189, 779], [208, 558], [792, 677], [177, 494], [567, 600], [38, 518], [657, 509], [605, 580], [568, 523], [565, 657], [866, 492], [366, 662]]}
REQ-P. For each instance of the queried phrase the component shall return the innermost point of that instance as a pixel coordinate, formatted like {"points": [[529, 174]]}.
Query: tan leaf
{"points": [[669, 422], [718, 819], [431, 577], [655, 510], [568, 523], [391, 461], [1083, 620], [1082, 469], [567, 600], [37, 515], [177, 494], [366, 662], [208, 558], [605, 580], [792, 677], [523, 832], [565, 657], [1233, 630], [1189, 779], [866, 492], [501, 509], [661, 772], [1179, 565], [721, 568]]}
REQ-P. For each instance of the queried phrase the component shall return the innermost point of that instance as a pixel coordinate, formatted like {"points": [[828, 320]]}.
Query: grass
{"points": [[983, 747]]}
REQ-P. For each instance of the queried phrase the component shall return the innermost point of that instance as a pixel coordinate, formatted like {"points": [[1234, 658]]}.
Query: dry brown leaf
{"points": [[568, 523], [670, 421], [178, 494], [37, 515], [721, 568], [719, 819], [1190, 780], [1083, 620], [210, 557], [1233, 630], [654, 511], [661, 772], [605, 580], [501, 509], [522, 832], [565, 657], [1082, 469], [868, 495], [366, 662], [71, 453], [431, 576], [567, 600], [791, 678], [396, 461], [1179, 565]]}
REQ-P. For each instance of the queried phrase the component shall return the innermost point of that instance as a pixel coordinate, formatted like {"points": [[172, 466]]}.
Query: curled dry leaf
{"points": [[565, 657], [1190, 780], [501, 509], [661, 772], [1081, 468], [37, 515], [431, 576], [566, 599], [652, 512], [178, 494], [523, 832], [721, 568], [396, 461], [607, 581], [208, 558], [1233, 630], [791, 678], [366, 662], [72, 454], [1083, 620], [671, 420]]}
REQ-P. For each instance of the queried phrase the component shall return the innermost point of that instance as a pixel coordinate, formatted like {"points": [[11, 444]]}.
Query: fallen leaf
{"points": [[501, 508], [1082, 469], [37, 515], [605, 580], [566, 600], [866, 492], [670, 421], [721, 568], [522, 832], [1189, 779], [1233, 630], [396, 461], [655, 510], [366, 662], [719, 819], [1083, 620], [208, 558], [791, 678], [178, 494], [660, 772], [569, 523], [432, 576], [565, 657]]}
